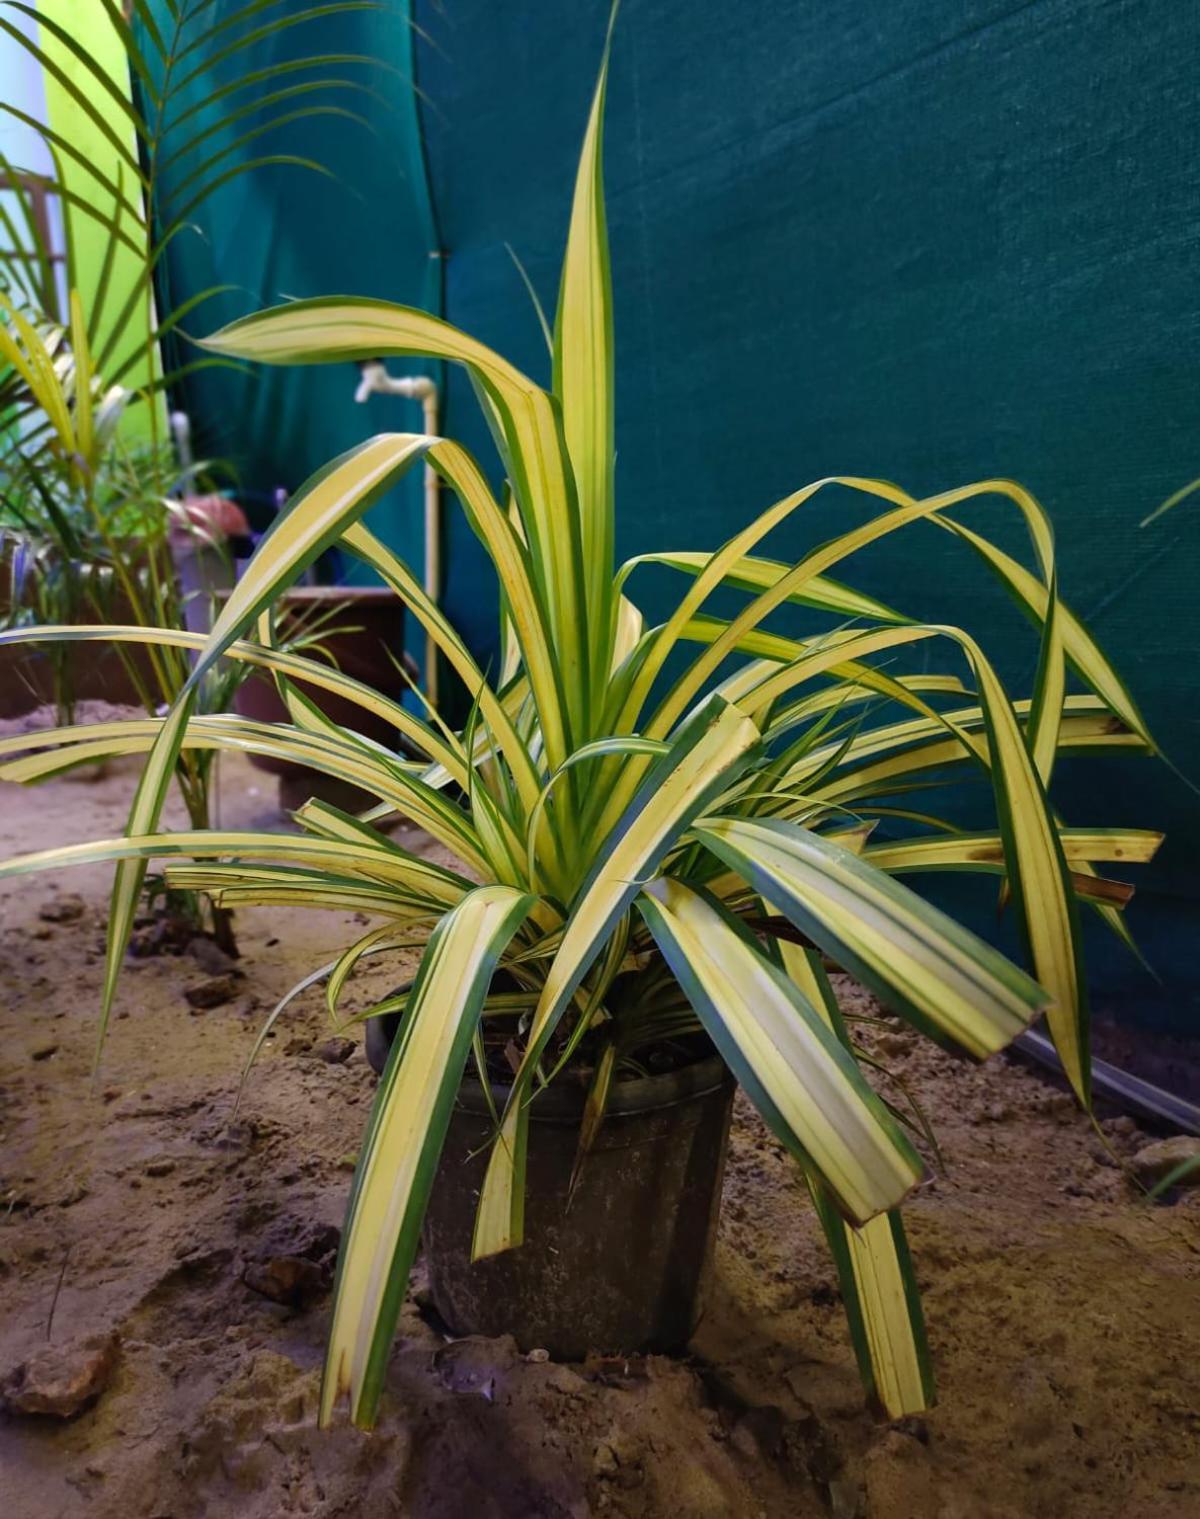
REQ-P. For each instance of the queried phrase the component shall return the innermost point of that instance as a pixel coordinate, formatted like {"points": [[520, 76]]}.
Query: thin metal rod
{"points": [[1123, 1088]]}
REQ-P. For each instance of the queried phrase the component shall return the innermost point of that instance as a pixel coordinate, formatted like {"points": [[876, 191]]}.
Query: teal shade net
{"points": [[931, 242], [934, 242]]}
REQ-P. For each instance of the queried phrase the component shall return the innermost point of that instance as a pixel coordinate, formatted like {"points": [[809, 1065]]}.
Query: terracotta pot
{"points": [[366, 646], [97, 671]]}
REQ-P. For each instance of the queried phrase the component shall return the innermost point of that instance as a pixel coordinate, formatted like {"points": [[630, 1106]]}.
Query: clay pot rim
{"points": [[562, 1102], [349, 594]]}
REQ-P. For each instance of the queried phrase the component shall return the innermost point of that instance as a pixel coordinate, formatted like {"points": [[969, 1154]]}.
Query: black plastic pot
{"points": [[624, 1267]]}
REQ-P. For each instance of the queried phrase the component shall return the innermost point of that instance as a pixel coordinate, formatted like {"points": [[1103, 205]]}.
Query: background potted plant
{"points": [[360, 631], [81, 515], [93, 499], [653, 858]]}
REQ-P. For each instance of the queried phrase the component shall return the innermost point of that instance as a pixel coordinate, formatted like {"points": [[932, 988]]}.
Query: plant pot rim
{"points": [[349, 594], [562, 1102]]}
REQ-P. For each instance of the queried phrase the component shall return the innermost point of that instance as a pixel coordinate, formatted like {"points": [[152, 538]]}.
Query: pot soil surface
{"points": [[1064, 1313]]}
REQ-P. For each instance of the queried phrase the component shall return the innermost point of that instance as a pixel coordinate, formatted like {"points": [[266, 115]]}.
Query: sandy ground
{"points": [[1064, 1314]]}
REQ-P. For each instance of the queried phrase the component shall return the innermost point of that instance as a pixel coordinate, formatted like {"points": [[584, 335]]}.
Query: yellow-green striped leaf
{"points": [[524, 418], [410, 879], [583, 372], [916, 959], [1136, 846], [241, 885], [1081, 649], [883, 1307], [1082, 732], [328, 749], [879, 1286], [805, 1084], [310, 671], [525, 614], [404, 1140], [753, 574]]}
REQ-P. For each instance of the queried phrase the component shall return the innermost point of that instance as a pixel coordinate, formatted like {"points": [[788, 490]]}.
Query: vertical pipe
{"points": [[375, 380], [433, 543]]}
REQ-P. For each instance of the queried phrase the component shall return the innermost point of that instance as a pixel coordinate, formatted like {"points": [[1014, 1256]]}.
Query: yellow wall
{"points": [[90, 26]]}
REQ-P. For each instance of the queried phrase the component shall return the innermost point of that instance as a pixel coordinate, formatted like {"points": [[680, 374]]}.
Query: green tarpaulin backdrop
{"points": [[933, 242]]}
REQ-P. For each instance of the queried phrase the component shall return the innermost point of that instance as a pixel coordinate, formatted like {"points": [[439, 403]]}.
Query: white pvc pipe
{"points": [[181, 429], [375, 380], [203, 568]]}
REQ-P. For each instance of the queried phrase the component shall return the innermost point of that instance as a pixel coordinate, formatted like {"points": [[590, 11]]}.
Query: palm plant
{"points": [[87, 510], [199, 100], [642, 852], [87, 507], [87, 515], [199, 105]]}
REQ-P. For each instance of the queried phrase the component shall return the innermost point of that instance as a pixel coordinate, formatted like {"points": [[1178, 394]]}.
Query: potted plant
{"points": [[94, 512], [657, 865], [85, 534], [80, 515]]}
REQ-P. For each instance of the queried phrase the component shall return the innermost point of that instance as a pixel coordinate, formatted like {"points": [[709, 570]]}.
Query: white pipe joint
{"points": [[375, 380], [181, 429]]}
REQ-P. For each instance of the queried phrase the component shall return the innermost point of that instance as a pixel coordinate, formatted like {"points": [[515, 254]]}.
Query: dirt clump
{"points": [[60, 1381]]}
